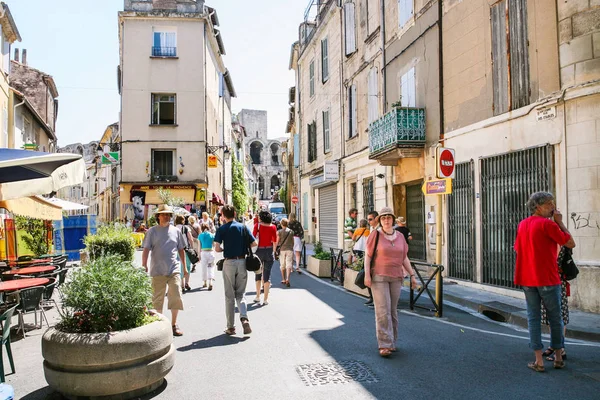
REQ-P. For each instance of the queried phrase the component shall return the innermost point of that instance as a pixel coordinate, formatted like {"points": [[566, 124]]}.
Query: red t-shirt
{"points": [[267, 235], [536, 245]]}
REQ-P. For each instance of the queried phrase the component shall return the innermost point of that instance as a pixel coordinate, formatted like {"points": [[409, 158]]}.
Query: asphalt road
{"points": [[316, 341]]}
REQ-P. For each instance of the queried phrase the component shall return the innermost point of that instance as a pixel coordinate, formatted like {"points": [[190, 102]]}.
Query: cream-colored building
{"points": [[8, 35], [175, 104]]}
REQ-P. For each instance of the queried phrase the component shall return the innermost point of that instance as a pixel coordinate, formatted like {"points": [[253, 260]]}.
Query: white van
{"points": [[277, 208]]}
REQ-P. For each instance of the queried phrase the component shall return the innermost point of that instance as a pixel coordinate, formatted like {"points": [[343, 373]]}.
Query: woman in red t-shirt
{"points": [[267, 242]]}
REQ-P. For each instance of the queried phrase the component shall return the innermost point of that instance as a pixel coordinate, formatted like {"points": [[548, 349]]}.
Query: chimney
{"points": [[16, 54], [24, 57]]}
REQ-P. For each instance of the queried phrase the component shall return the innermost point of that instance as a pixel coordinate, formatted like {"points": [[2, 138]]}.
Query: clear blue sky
{"points": [[76, 41]]}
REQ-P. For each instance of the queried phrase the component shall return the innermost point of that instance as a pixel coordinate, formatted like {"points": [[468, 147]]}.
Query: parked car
{"points": [[277, 208], [277, 219]]}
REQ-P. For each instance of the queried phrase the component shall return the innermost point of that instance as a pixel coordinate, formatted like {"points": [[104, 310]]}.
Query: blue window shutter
{"points": [[156, 39], [221, 84]]}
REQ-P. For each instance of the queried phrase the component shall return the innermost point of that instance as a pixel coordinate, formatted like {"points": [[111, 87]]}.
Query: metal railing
{"points": [[163, 178], [438, 302], [164, 51], [338, 265], [401, 127]]}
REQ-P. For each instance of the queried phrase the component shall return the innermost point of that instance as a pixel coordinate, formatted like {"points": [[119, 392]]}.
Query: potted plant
{"points": [[350, 276], [110, 239], [107, 343], [319, 264]]}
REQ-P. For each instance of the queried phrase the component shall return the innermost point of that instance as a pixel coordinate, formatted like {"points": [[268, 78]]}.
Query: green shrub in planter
{"points": [[321, 254], [357, 264], [111, 239], [107, 295]]}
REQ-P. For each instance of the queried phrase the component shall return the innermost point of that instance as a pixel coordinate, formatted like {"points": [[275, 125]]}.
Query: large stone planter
{"points": [[320, 268], [349, 278], [120, 365]]}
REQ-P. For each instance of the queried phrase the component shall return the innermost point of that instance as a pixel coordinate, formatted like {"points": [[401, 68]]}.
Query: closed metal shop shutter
{"points": [[328, 221]]}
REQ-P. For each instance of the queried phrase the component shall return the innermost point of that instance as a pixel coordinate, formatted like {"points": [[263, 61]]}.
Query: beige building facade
{"points": [[8, 35], [175, 104]]}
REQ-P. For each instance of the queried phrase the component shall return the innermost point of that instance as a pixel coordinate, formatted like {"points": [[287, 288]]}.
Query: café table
{"points": [[36, 261], [18, 284], [30, 270]]}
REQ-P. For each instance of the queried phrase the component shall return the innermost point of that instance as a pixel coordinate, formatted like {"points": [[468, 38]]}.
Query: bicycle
{"points": [[338, 264]]}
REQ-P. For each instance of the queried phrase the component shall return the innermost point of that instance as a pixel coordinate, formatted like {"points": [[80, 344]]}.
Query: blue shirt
{"points": [[206, 240], [231, 236]]}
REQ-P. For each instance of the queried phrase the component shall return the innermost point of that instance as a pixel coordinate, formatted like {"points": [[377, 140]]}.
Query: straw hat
{"points": [[401, 221], [385, 211], [164, 209]]}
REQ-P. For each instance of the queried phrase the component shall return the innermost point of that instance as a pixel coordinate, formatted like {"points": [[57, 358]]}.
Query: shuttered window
{"points": [[350, 31], [312, 78], [368, 197], [373, 109], [408, 89], [352, 112], [405, 12], [312, 142], [510, 55], [326, 132], [324, 60]]}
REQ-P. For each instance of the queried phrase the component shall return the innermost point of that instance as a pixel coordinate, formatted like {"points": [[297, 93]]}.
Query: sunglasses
{"points": [[370, 219]]}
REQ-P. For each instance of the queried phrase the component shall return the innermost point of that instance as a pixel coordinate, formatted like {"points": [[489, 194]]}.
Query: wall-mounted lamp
{"points": [[380, 176]]}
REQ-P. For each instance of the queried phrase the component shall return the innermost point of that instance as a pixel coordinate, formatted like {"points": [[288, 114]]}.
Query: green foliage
{"points": [[111, 240], [107, 295], [33, 234], [321, 254], [239, 186], [283, 197], [357, 264], [167, 198], [152, 221]]}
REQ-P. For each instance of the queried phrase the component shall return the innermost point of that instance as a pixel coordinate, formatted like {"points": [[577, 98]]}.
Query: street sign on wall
{"points": [[438, 186], [445, 162], [295, 199], [212, 161], [110, 158]]}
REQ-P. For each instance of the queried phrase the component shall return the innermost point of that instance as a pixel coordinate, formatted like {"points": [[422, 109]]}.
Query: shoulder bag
{"points": [[278, 248], [566, 263], [191, 252], [360, 278], [253, 263]]}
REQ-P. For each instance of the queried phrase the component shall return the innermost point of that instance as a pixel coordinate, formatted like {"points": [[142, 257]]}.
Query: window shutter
{"points": [[499, 59], [324, 61], [408, 89], [350, 28], [354, 111]]}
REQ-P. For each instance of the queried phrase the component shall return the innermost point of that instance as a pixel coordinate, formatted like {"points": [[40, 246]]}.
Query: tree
{"points": [[34, 234], [167, 198], [238, 186]]}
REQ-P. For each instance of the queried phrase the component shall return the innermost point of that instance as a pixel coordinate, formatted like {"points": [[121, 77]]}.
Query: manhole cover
{"points": [[335, 372]]}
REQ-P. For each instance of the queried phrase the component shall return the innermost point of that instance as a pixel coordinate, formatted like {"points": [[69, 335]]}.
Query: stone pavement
{"points": [[317, 341]]}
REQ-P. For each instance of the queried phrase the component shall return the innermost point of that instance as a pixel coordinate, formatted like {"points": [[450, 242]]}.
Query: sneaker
{"points": [[256, 300], [246, 325], [210, 287], [187, 287], [369, 302], [177, 331]]}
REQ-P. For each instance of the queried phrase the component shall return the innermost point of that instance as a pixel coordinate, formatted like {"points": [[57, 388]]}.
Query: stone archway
{"points": [[275, 183], [275, 154], [256, 149]]}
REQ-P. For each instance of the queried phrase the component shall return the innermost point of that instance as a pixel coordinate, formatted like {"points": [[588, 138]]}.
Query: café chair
{"points": [[5, 320], [47, 296], [30, 300]]}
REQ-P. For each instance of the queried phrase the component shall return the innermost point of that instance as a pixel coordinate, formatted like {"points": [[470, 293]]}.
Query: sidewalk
{"points": [[582, 325]]}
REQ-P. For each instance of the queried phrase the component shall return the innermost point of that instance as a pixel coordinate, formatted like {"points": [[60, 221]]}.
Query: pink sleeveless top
{"points": [[389, 258]]}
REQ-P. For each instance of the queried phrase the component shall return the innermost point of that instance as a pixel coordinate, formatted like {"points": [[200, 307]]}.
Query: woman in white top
{"points": [[206, 220]]}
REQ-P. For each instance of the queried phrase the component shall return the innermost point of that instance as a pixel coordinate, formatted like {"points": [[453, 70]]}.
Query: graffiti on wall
{"points": [[582, 220]]}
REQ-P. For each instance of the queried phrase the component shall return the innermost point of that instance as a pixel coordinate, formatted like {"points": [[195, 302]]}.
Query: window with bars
{"points": [[368, 196], [353, 195], [312, 141], [163, 109]]}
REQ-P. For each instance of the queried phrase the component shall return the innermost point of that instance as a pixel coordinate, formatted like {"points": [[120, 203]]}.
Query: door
{"points": [[461, 221], [415, 221], [328, 217]]}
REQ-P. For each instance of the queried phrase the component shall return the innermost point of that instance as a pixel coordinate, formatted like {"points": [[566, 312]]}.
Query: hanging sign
{"points": [[438, 186], [212, 161], [110, 158]]}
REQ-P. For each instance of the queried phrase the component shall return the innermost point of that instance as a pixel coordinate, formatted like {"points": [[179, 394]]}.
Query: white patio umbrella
{"points": [[26, 173]]}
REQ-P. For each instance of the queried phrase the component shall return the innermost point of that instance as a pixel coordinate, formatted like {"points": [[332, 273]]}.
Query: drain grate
{"points": [[335, 372]]}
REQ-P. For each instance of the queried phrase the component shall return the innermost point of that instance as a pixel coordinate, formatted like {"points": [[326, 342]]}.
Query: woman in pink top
{"points": [[390, 265]]}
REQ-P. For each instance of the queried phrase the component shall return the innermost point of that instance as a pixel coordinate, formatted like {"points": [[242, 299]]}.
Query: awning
{"points": [[215, 199], [67, 205], [33, 207]]}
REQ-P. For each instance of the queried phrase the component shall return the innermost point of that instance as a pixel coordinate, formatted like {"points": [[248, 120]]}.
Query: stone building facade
{"points": [[8, 35]]}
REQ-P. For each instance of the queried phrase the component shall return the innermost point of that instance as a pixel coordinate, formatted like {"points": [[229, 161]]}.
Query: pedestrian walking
{"points": [[206, 220], [360, 238], [285, 244], [565, 292], [298, 230], [384, 275], [266, 233], [195, 231], [372, 220], [207, 261], [403, 229], [187, 238], [350, 224], [536, 244], [235, 238], [166, 244]]}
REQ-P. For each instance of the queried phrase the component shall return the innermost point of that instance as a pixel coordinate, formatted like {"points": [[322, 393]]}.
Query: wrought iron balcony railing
{"points": [[164, 51], [163, 178], [400, 128]]}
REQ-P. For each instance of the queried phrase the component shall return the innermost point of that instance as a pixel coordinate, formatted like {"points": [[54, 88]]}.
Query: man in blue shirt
{"points": [[235, 238]]}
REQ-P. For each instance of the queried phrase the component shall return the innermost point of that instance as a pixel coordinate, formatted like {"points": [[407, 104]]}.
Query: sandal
{"points": [[287, 283], [559, 364], [549, 351], [536, 367], [283, 282], [230, 331], [385, 352], [553, 358]]}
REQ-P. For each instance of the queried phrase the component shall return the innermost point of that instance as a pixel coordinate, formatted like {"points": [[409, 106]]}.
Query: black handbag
{"points": [[220, 264], [566, 263], [189, 251], [253, 263], [360, 278]]}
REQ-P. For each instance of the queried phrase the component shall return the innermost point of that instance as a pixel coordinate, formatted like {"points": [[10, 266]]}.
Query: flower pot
{"points": [[320, 268], [121, 364], [349, 278]]}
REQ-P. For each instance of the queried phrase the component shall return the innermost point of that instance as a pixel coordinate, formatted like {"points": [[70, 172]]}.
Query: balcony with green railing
{"points": [[401, 128]]}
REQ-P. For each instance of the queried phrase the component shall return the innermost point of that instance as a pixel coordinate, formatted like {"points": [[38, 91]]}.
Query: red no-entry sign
{"points": [[294, 199], [445, 163]]}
